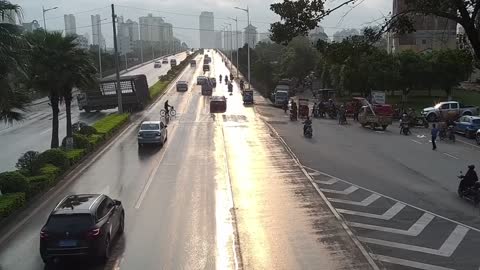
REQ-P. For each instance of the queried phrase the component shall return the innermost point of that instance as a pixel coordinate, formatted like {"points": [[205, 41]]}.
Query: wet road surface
{"points": [[396, 194], [222, 193], [34, 133]]}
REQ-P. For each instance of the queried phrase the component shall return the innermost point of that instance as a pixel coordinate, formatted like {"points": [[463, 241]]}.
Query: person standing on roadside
{"points": [[434, 136]]}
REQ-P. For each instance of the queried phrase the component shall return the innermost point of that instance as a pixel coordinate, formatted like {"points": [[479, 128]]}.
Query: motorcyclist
{"points": [[220, 78], [293, 108], [226, 79], [285, 105], [404, 121], [242, 84], [342, 115], [230, 87], [306, 124], [469, 179], [231, 77]]}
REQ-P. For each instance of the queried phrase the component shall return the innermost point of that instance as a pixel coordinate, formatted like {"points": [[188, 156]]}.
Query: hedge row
{"points": [[38, 172], [174, 71]]}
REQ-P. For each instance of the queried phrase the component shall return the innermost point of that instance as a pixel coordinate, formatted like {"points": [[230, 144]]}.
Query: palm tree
{"points": [[57, 66], [13, 54]]}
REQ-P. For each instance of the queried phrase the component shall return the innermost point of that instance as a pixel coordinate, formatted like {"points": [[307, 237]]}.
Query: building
{"points": [[70, 24], [238, 39], [250, 35], [82, 41], [8, 16], [339, 36], [151, 28], [31, 26], [97, 37], [133, 30], [264, 37], [207, 33], [218, 40], [432, 33], [318, 34]]}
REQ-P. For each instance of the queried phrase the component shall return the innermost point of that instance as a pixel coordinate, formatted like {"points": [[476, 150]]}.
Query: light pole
{"points": [[231, 44], [236, 38], [44, 11], [248, 41]]}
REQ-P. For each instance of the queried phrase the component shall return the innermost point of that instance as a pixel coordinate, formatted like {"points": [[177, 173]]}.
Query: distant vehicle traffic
{"points": [[182, 86], [152, 132], [82, 225], [218, 104], [173, 62], [448, 110], [206, 68], [157, 64], [193, 63], [207, 87], [165, 61], [135, 94], [201, 80], [468, 125]]}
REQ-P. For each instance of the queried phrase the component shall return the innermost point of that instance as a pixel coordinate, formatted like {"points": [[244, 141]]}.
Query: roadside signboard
{"points": [[378, 97]]}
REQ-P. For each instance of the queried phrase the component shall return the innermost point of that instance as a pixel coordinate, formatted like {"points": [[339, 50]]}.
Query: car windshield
{"points": [[150, 127], [73, 223]]}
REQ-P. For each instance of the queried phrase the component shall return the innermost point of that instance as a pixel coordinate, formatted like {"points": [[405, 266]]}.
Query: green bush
{"points": [[79, 141], [75, 155], [110, 123], [11, 202], [95, 139], [39, 183], [11, 182], [27, 161], [51, 171], [55, 157]]}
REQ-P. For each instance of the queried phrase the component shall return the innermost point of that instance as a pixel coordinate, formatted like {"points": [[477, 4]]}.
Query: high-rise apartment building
{"points": [[97, 38], [218, 40], [151, 28], [207, 33], [251, 35], [432, 32], [70, 24]]}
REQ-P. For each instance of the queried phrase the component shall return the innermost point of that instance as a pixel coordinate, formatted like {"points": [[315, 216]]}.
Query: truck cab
{"points": [[280, 95]]}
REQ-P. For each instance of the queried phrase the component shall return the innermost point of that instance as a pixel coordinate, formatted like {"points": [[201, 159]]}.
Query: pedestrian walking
{"points": [[434, 136]]}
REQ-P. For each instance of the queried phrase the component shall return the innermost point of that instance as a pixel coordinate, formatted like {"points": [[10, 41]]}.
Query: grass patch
{"points": [[75, 155], [11, 202], [110, 123], [158, 88]]}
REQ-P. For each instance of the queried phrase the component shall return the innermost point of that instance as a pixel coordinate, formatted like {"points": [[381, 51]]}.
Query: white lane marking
{"points": [[446, 250], [153, 172], [366, 202], [347, 191], [327, 182], [414, 230], [389, 214], [314, 173], [415, 141], [45, 131], [396, 200], [471, 144], [454, 157], [408, 263]]}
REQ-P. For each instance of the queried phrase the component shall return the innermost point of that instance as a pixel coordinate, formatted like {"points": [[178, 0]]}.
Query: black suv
{"points": [[82, 225]]}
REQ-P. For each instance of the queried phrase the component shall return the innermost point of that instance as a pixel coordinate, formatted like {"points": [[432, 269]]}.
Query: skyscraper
{"points": [[70, 24], [251, 35], [150, 28], [207, 33], [97, 38], [432, 32]]}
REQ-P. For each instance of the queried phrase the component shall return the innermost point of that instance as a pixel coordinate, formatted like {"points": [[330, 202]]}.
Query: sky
{"points": [[183, 14]]}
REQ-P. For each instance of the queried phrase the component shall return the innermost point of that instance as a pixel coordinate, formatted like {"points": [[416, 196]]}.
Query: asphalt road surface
{"points": [[34, 133], [397, 195], [222, 193]]}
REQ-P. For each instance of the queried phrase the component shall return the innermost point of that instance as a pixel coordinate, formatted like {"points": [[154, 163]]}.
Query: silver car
{"points": [[182, 86], [152, 132]]}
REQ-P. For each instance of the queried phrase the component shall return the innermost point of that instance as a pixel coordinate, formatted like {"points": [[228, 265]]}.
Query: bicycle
{"points": [[172, 112]]}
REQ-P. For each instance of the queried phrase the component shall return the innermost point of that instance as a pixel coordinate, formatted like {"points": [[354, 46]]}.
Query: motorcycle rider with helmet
{"points": [[469, 179], [307, 124]]}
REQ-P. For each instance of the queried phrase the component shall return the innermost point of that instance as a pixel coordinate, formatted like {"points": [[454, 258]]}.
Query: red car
{"points": [[218, 104]]}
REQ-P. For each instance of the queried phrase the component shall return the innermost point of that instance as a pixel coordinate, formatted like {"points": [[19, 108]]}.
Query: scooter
{"points": [[308, 131], [405, 128], [471, 194]]}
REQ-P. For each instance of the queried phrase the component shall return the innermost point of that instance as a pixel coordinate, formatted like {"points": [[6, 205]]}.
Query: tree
{"points": [[57, 66], [13, 56], [299, 58], [451, 67]]}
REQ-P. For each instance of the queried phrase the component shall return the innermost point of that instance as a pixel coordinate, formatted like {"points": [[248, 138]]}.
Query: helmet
{"points": [[471, 167]]}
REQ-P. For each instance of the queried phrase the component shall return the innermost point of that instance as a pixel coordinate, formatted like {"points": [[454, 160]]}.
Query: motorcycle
{"points": [[342, 120], [471, 193], [447, 133], [230, 88], [419, 122], [293, 115], [308, 131], [405, 128]]}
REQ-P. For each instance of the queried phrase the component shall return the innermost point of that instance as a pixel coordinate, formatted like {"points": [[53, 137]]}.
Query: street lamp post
{"points": [[44, 11], [231, 44], [236, 38], [248, 41], [100, 51]]}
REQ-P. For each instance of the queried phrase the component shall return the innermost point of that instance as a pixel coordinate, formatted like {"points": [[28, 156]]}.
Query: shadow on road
{"points": [[147, 151]]}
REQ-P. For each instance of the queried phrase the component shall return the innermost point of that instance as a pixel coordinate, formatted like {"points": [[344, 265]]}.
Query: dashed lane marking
{"points": [[409, 263], [446, 250], [414, 230], [389, 214], [415, 141], [327, 182], [452, 156]]}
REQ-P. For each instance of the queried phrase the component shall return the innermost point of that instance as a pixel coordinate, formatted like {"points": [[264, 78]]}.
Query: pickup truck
{"points": [[448, 109]]}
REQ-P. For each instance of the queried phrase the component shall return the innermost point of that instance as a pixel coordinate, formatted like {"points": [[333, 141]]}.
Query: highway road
{"points": [[222, 193], [34, 133], [397, 195]]}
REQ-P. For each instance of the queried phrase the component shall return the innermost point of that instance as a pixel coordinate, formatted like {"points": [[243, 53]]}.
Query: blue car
{"points": [[468, 125]]}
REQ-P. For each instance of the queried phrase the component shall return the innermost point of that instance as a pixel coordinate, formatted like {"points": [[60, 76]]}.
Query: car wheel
{"points": [[121, 226]]}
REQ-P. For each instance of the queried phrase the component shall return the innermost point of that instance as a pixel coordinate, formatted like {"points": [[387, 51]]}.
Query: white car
{"points": [[157, 64], [182, 86], [201, 80], [152, 132]]}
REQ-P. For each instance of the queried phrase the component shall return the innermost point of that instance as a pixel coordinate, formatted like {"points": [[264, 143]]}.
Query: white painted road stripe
{"points": [[446, 250], [343, 192], [314, 173], [328, 182], [408, 263], [414, 230], [389, 214], [415, 141], [366, 202], [447, 154]]}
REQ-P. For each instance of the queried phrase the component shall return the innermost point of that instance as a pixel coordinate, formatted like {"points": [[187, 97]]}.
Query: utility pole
{"points": [[117, 69], [236, 40], [100, 60]]}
